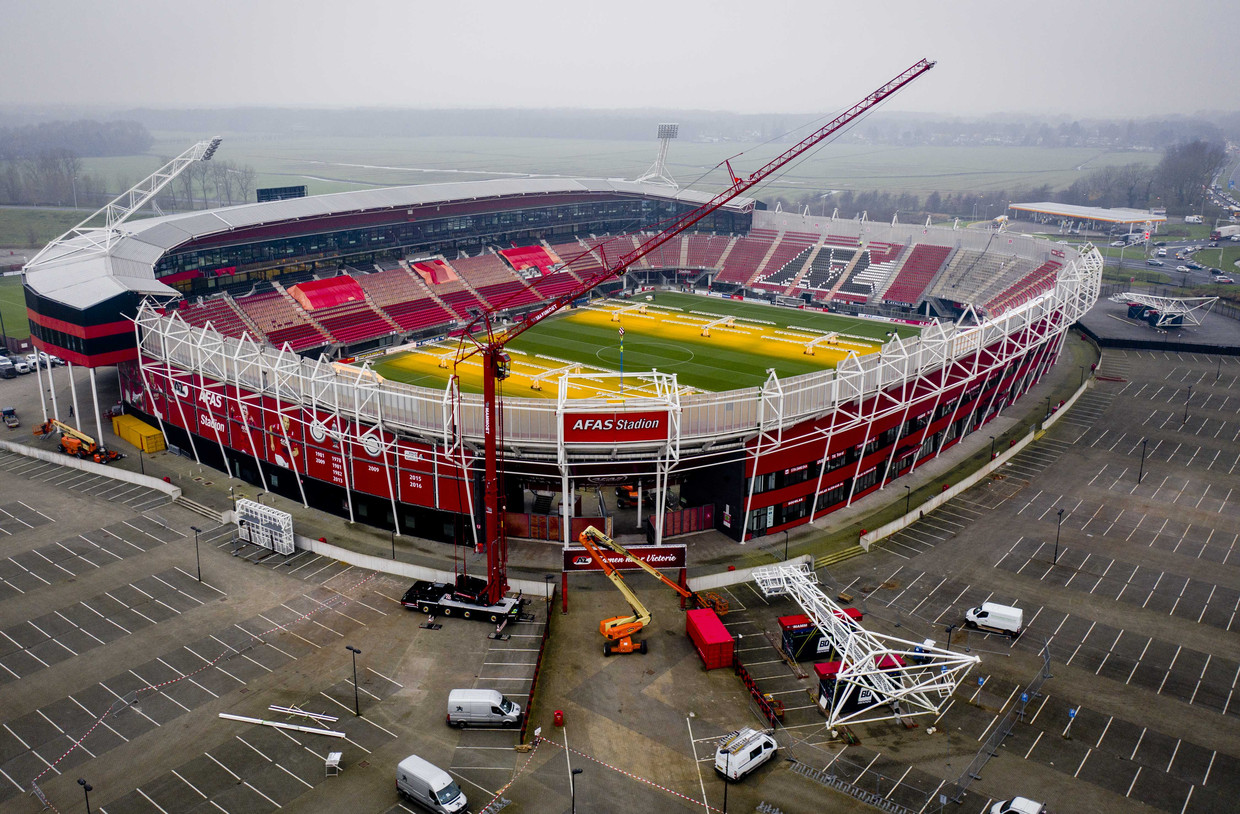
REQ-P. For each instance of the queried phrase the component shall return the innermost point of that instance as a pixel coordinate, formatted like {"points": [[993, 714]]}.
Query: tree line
{"points": [[1177, 182]]}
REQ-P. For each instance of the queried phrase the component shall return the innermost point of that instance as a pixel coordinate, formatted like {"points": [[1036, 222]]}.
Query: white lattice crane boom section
{"points": [[1191, 309], [903, 678], [84, 240]]}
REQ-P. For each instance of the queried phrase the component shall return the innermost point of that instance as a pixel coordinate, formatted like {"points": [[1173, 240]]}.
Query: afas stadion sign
{"points": [[577, 558], [616, 427]]}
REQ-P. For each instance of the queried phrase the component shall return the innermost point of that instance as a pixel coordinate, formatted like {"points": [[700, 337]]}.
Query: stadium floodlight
{"points": [[658, 174], [211, 148]]}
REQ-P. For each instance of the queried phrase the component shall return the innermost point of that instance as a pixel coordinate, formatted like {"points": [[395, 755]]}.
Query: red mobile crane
{"points": [[496, 361]]}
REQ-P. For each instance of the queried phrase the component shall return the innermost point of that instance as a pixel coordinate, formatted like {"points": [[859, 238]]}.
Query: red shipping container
{"points": [[712, 640]]}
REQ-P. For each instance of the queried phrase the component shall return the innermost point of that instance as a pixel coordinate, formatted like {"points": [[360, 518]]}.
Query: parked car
{"points": [[1115, 244], [21, 365]]}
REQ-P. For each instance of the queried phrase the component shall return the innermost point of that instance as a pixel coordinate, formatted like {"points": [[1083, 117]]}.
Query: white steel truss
{"points": [[882, 678], [1170, 309], [85, 241], [861, 389]]}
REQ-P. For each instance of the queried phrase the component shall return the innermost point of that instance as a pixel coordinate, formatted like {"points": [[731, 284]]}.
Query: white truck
{"points": [[429, 786], [996, 618], [482, 708], [742, 751]]}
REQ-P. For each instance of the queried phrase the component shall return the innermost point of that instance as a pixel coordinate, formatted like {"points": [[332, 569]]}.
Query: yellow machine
{"points": [[77, 443], [619, 630]]}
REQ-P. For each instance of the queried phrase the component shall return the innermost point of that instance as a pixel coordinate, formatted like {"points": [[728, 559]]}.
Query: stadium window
{"points": [[835, 460], [833, 495], [796, 509], [867, 479]]}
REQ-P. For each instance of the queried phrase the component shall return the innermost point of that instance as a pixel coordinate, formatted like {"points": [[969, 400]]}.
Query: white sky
{"points": [[1076, 57]]}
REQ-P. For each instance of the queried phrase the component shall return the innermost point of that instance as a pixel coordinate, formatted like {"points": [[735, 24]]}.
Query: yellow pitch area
{"points": [[708, 352]]}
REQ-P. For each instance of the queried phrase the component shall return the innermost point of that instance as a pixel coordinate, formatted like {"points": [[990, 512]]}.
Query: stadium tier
{"points": [[376, 273], [918, 270]]}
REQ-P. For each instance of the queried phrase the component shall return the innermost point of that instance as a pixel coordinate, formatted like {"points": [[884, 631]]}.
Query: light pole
{"points": [[232, 495], [1082, 367], [1186, 401], [197, 557], [1058, 525], [908, 496], [87, 788], [141, 463], [726, 783], [572, 788], [992, 447], [393, 543], [1048, 406], [1141, 472], [785, 545], [357, 710], [950, 630]]}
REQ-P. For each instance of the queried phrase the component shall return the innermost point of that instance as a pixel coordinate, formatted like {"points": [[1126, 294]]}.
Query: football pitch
{"points": [[710, 344]]}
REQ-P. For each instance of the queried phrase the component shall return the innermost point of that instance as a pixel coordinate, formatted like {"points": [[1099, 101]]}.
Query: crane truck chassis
{"points": [[467, 599]]}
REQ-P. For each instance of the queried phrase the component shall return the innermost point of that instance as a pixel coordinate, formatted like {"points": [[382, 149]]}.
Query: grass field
{"points": [[334, 164], [13, 306], [26, 227], [667, 337]]}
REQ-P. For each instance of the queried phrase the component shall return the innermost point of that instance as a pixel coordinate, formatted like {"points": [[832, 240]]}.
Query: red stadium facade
{"points": [[291, 418]]}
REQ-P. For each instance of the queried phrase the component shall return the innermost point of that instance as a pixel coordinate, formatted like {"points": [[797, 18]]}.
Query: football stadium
{"points": [[764, 368]]}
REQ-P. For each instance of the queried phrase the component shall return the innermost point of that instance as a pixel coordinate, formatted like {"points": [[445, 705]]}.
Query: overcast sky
{"points": [[1075, 57]]}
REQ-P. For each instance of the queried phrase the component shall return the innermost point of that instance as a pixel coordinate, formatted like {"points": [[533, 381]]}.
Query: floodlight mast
{"points": [[99, 239], [495, 361]]}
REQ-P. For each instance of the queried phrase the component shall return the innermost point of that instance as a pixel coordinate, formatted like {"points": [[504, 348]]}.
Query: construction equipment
{"points": [[10, 418], [77, 443], [621, 629], [482, 338]]}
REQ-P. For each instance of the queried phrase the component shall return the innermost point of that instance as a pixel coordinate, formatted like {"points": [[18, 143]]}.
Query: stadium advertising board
{"points": [[615, 427], [577, 558]]}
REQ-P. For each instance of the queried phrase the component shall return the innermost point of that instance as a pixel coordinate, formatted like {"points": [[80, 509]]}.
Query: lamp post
{"points": [[141, 463], [1141, 472], [572, 788], [87, 788], [1082, 367], [1058, 525], [357, 710], [232, 495], [725, 795], [992, 447], [1186, 401], [393, 543], [785, 545], [950, 630], [1048, 406], [908, 496], [197, 556]]}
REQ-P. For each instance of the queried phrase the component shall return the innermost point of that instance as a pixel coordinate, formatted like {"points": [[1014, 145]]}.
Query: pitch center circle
{"points": [[647, 355]]}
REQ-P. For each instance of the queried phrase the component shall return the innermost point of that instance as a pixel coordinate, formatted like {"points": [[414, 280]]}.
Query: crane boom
{"points": [[600, 538], [737, 188], [495, 362], [617, 628]]}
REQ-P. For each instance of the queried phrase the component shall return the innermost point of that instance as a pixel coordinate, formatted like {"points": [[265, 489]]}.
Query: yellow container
{"points": [[139, 433]]}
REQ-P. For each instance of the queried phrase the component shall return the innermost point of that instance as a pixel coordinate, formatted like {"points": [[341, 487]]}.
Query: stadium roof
{"points": [[1094, 213], [79, 273]]}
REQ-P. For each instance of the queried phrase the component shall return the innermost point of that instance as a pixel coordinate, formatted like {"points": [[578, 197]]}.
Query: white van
{"points": [[482, 708], [1017, 805], [742, 751], [996, 618], [429, 786], [1162, 251]]}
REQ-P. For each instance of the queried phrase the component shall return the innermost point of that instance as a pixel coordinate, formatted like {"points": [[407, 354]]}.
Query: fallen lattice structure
{"points": [[880, 678], [1166, 311]]}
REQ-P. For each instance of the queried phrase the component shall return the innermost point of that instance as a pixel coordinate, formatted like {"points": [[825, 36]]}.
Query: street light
{"points": [[1082, 367], [992, 447], [908, 496], [87, 788], [785, 545], [1058, 525], [232, 495], [1141, 472], [393, 544], [572, 788], [357, 710], [197, 557]]}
